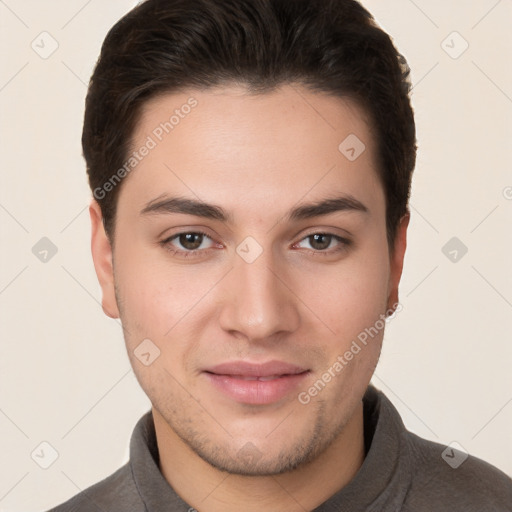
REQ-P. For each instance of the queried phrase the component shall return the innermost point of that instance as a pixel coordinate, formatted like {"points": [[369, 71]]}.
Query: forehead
{"points": [[262, 149]]}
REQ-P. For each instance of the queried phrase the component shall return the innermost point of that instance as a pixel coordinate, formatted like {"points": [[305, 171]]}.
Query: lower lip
{"points": [[256, 392]]}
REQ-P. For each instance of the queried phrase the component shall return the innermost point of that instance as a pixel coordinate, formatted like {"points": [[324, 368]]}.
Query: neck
{"points": [[211, 490]]}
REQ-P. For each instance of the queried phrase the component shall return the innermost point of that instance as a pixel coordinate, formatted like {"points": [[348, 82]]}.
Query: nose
{"points": [[259, 303]]}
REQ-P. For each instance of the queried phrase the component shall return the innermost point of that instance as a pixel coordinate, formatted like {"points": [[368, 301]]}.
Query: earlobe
{"points": [[397, 261], [102, 256]]}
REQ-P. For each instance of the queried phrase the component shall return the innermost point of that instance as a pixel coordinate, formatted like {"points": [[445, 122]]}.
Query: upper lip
{"points": [[246, 369]]}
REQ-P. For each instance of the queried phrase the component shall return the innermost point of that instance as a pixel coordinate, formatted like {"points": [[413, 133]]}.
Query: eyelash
{"points": [[345, 243]]}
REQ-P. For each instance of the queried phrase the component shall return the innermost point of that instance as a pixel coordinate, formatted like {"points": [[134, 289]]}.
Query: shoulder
{"points": [[116, 493], [449, 479]]}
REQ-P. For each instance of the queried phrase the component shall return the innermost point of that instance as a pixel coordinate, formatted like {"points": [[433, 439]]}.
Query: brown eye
{"points": [[188, 243], [324, 243], [320, 241], [191, 241]]}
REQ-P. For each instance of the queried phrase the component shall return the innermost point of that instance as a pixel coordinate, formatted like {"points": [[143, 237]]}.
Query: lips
{"points": [[256, 384]]}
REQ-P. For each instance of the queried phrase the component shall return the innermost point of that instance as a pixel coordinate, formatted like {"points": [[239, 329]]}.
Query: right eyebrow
{"points": [[186, 206]]}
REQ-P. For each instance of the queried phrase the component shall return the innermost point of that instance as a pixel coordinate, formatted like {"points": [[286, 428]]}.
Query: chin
{"points": [[249, 461]]}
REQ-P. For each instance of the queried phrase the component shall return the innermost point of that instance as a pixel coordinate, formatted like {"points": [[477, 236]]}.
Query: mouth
{"points": [[256, 384]]}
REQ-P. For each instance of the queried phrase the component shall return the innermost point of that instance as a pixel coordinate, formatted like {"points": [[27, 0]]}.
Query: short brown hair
{"points": [[331, 46]]}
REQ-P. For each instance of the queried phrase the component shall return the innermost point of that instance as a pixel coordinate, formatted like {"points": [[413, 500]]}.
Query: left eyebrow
{"points": [[346, 203], [189, 206]]}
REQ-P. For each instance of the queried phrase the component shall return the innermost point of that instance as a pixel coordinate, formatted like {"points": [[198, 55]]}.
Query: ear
{"points": [[397, 260], [102, 257]]}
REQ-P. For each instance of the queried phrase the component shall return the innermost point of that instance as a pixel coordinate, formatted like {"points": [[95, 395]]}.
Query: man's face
{"points": [[250, 315]]}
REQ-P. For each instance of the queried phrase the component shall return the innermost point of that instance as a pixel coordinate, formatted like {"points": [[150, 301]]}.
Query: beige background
{"points": [[64, 374]]}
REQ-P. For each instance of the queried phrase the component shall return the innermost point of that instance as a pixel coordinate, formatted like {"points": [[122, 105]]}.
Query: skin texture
{"points": [[257, 157]]}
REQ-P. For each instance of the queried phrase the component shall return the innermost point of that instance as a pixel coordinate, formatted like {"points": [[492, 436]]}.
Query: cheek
{"points": [[351, 295], [151, 302], [160, 301]]}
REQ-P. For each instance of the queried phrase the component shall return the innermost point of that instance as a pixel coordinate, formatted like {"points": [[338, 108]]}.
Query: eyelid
{"points": [[327, 230]]}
